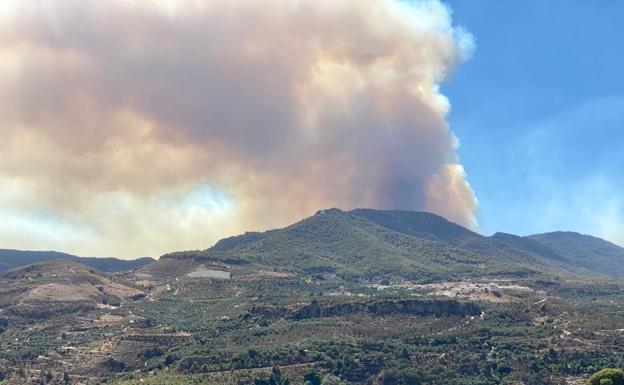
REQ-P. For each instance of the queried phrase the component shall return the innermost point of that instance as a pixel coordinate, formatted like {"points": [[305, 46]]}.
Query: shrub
{"points": [[312, 377], [607, 377]]}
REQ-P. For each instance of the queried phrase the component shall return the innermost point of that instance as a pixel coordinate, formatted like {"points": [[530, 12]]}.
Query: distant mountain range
{"points": [[367, 244], [10, 259], [376, 244]]}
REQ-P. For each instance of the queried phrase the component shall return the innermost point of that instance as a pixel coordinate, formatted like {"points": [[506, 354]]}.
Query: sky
{"points": [[539, 110], [134, 128]]}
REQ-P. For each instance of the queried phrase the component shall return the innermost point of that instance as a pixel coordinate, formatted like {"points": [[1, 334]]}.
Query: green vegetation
{"points": [[373, 245], [590, 253], [525, 341], [607, 377], [347, 245]]}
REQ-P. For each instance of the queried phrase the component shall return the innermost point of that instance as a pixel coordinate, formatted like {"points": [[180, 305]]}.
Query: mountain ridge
{"points": [[374, 244], [369, 244], [11, 258]]}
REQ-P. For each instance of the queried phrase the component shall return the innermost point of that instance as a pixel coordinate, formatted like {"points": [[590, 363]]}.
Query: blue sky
{"points": [[539, 111]]}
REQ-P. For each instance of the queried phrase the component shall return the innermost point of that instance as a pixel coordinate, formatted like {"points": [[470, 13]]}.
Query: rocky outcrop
{"points": [[417, 307]]}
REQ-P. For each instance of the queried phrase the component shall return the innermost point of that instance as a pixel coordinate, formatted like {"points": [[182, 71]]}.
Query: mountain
{"points": [[434, 227], [333, 241], [10, 259], [586, 252], [373, 244], [530, 245]]}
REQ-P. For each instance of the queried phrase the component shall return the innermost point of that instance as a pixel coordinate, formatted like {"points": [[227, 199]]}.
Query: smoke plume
{"points": [[138, 127]]}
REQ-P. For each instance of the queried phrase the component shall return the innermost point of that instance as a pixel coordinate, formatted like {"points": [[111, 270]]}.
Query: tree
{"points": [[169, 360], [607, 377], [312, 377]]}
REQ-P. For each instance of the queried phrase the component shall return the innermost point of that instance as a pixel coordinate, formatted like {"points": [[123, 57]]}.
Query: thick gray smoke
{"points": [[138, 127]]}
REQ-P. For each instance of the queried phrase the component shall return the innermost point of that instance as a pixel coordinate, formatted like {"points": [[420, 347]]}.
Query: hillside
{"points": [[10, 259], [499, 252], [375, 244], [587, 252], [62, 281], [419, 224]]}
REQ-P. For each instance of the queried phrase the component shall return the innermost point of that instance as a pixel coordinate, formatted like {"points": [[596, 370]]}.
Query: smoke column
{"points": [[138, 127]]}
